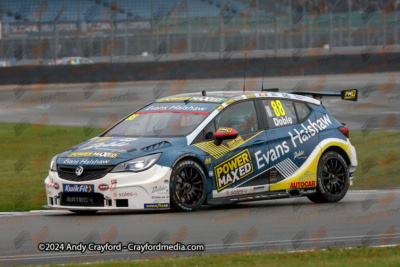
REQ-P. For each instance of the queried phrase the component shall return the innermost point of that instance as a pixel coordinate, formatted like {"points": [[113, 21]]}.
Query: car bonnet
{"points": [[115, 150]]}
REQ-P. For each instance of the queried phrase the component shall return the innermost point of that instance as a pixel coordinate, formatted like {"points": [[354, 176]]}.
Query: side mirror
{"points": [[224, 133]]}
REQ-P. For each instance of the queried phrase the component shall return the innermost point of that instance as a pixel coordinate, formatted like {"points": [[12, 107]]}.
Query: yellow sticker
{"points": [[132, 117]]}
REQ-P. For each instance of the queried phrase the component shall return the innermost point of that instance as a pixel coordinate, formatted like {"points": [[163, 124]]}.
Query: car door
{"points": [[276, 160], [287, 148], [233, 160]]}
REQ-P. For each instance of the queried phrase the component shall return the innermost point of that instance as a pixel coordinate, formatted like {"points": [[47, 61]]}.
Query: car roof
{"points": [[231, 96]]}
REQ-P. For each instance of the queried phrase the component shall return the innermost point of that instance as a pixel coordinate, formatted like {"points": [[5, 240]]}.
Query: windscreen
{"points": [[163, 120]]}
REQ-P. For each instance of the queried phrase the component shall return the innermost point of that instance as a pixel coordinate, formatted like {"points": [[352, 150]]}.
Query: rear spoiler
{"points": [[351, 95]]}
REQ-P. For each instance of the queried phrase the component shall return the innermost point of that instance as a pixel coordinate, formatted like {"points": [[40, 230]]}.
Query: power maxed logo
{"points": [[233, 169]]}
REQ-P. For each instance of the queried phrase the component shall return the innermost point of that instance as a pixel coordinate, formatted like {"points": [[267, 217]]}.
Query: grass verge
{"points": [[26, 151]]}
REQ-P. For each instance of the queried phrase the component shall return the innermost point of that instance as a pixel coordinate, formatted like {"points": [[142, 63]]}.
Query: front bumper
{"points": [[115, 191]]}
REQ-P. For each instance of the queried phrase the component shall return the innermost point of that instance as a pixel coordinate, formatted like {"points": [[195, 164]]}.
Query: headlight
{"points": [[53, 164], [137, 165]]}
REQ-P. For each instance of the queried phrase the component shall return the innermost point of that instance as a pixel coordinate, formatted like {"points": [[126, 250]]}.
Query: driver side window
{"points": [[242, 117]]}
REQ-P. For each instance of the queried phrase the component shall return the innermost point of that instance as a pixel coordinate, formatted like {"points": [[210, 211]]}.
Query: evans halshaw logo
{"points": [[78, 188], [156, 206], [233, 169]]}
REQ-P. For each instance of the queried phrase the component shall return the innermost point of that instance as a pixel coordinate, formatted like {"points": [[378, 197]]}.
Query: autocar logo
{"points": [[79, 171]]}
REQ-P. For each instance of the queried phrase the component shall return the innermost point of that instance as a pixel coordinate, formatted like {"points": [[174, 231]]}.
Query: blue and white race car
{"points": [[188, 150]]}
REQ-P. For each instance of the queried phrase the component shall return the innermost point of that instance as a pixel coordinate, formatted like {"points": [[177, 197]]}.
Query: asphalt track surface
{"points": [[362, 218], [88, 105]]}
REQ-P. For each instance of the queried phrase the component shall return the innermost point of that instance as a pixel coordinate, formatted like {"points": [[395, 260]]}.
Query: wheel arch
{"points": [[341, 152], [195, 159]]}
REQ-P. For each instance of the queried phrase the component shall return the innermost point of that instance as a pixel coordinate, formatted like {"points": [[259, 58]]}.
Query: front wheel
{"points": [[187, 186], [333, 178]]}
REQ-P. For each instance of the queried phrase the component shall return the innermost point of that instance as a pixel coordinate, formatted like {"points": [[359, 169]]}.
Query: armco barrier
{"points": [[203, 69]]}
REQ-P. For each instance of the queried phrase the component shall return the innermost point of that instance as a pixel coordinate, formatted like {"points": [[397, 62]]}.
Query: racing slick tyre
{"points": [[84, 212], [187, 186], [333, 178]]}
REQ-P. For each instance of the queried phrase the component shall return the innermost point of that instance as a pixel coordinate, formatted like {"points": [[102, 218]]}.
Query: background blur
{"points": [[85, 31]]}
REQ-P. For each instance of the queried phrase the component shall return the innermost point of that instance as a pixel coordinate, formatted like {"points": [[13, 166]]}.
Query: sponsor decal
{"points": [[236, 192], [56, 186], [211, 173], [128, 139], [310, 130], [172, 108], [94, 154], [224, 130], [350, 94], [263, 94], [158, 197], [49, 193], [307, 176], [156, 205], [302, 184], [131, 117], [113, 184], [286, 95], [237, 98], [127, 194], [103, 139], [220, 107], [259, 187], [221, 150], [172, 99], [299, 155], [238, 141], [268, 110], [272, 175], [233, 169], [78, 188], [159, 189], [104, 187], [207, 161], [251, 96], [86, 162], [207, 99], [105, 145], [271, 155]]}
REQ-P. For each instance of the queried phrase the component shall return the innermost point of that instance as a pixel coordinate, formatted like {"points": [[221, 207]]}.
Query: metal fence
{"points": [[44, 32]]}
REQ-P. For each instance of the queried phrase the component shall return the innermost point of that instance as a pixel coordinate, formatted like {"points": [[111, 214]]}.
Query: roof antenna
{"points": [[262, 81], [244, 75], [203, 93]]}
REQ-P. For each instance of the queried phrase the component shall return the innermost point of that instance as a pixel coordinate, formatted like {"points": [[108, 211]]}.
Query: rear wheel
{"points": [[187, 186], [333, 178]]}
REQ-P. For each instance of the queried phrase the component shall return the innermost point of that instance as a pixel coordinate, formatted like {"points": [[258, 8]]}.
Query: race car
{"points": [[207, 148]]}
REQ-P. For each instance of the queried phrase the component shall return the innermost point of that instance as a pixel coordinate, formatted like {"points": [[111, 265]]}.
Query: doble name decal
{"points": [[233, 169]]}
